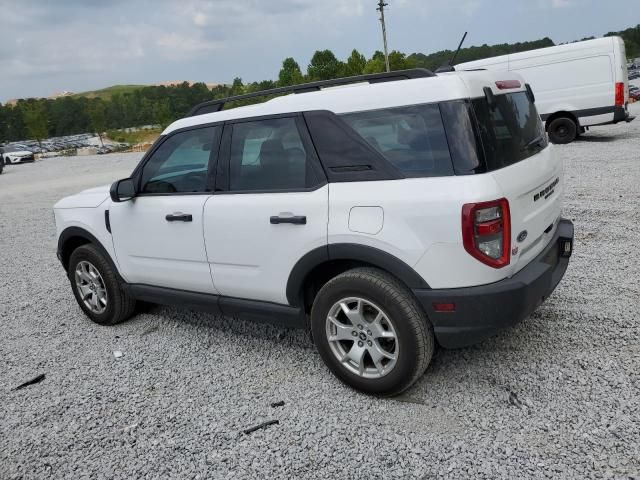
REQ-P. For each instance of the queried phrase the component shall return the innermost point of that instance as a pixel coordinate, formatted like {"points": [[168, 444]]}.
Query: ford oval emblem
{"points": [[522, 236]]}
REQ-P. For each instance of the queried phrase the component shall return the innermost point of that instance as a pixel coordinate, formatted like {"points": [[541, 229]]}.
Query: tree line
{"points": [[160, 105]]}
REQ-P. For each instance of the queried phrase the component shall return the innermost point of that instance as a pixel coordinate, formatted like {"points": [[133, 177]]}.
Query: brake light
{"points": [[619, 94], [507, 84], [486, 232]]}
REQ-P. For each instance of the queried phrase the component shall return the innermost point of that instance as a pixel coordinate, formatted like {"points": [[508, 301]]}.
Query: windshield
{"points": [[511, 131]]}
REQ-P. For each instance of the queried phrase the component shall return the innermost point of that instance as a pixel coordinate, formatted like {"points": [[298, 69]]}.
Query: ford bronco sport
{"points": [[385, 212]]}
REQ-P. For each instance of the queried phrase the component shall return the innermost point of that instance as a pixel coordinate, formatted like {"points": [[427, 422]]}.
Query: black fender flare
{"points": [[74, 232], [354, 252]]}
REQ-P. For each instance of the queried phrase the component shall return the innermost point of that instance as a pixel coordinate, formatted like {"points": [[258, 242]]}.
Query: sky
{"points": [[48, 46]]}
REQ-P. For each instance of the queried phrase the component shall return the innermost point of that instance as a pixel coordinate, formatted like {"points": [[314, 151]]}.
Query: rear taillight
{"points": [[486, 232], [619, 94]]}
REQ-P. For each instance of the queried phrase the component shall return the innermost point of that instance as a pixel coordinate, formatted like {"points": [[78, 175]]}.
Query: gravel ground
{"points": [[555, 397]]}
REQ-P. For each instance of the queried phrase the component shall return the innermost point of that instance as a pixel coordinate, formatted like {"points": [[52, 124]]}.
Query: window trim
{"points": [[222, 178], [213, 161]]}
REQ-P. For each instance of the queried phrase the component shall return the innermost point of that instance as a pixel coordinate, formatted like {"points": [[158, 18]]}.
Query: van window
{"points": [[510, 131], [411, 138]]}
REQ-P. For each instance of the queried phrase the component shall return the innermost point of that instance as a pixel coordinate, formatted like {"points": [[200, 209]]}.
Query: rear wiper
{"points": [[536, 141]]}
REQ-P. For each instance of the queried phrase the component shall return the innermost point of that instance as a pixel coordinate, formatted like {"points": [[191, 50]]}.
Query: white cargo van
{"points": [[578, 85]]}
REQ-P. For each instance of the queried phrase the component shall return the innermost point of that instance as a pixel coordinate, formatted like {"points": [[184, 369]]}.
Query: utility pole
{"points": [[380, 9]]}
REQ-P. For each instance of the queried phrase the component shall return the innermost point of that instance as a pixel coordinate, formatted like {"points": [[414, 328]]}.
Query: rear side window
{"points": [[510, 129], [269, 155], [411, 138]]}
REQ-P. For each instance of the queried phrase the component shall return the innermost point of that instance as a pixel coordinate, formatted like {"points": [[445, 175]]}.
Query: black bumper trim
{"points": [[483, 311]]}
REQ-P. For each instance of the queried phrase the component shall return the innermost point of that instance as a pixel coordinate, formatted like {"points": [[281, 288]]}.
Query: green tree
{"points": [[356, 63], [97, 114], [237, 88], [324, 66], [35, 119], [162, 113], [290, 73], [376, 63]]}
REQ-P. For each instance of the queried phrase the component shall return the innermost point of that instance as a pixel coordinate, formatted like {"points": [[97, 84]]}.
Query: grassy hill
{"points": [[107, 93]]}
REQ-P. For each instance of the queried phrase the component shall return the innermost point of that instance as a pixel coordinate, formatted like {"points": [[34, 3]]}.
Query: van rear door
{"points": [[521, 161]]}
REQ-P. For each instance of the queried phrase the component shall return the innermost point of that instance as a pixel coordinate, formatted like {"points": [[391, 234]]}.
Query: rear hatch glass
{"points": [[510, 129]]}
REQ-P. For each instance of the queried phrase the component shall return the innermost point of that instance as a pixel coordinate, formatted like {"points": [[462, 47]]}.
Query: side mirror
{"points": [[122, 190]]}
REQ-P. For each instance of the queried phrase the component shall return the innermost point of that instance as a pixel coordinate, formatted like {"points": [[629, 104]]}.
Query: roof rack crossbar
{"points": [[217, 105]]}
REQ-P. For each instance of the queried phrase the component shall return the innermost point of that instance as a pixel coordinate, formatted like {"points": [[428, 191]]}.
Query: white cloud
{"points": [[200, 19], [562, 3]]}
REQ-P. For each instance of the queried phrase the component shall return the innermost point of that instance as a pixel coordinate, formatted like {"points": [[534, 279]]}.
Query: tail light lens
{"points": [[486, 232], [619, 94]]}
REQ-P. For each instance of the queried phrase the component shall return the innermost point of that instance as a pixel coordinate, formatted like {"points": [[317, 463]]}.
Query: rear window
{"points": [[510, 130], [411, 138]]}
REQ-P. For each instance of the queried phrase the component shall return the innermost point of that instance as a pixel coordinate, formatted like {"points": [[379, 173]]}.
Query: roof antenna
{"points": [[449, 67]]}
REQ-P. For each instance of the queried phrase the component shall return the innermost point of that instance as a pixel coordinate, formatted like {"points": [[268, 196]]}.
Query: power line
{"points": [[380, 9]]}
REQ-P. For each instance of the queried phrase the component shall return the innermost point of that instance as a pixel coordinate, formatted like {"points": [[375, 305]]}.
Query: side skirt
{"points": [[252, 310]]}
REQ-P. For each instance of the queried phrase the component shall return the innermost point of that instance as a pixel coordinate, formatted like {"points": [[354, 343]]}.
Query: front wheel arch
{"points": [[73, 237]]}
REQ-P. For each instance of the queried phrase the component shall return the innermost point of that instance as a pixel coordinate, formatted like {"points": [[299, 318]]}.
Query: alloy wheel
{"points": [[362, 337], [91, 287]]}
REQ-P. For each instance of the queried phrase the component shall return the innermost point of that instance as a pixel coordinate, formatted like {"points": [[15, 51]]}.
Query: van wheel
{"points": [[371, 332], [562, 130], [97, 288]]}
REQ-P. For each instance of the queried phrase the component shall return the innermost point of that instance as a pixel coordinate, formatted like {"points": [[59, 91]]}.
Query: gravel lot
{"points": [[556, 397]]}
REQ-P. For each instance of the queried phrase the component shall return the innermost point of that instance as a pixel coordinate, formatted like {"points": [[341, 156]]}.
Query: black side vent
{"points": [[351, 168]]}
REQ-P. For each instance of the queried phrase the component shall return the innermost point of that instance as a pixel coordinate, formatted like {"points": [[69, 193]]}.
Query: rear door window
{"points": [[510, 129], [268, 155], [411, 138]]}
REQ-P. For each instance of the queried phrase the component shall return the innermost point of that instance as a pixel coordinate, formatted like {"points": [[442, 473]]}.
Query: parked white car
{"points": [[577, 85], [10, 156], [385, 216]]}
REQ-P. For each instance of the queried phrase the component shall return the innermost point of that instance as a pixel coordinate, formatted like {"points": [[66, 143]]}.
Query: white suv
{"points": [[391, 213]]}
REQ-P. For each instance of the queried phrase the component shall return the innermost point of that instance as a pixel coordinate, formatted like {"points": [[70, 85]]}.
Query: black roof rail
{"points": [[217, 105]]}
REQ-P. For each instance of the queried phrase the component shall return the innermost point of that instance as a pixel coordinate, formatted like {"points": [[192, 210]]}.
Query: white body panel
{"points": [[250, 257], [574, 77], [150, 250], [422, 218], [89, 218]]}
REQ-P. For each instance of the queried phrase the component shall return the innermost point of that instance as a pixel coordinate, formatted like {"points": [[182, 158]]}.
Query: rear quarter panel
{"points": [[421, 226]]}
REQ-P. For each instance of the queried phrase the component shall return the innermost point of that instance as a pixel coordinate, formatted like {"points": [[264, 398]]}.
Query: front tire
{"points": [[371, 332], [97, 288], [562, 130]]}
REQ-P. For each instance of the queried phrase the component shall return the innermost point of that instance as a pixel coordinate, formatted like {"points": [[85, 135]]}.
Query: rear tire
{"points": [[97, 288], [371, 332], [562, 130]]}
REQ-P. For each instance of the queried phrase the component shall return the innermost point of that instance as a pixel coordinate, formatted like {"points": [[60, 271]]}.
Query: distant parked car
{"points": [[12, 155], [635, 95]]}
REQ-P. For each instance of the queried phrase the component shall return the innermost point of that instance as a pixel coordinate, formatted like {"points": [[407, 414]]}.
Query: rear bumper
{"points": [[483, 311], [621, 114]]}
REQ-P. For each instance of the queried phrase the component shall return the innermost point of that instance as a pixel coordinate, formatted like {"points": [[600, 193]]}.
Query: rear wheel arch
{"points": [[322, 264], [561, 114]]}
